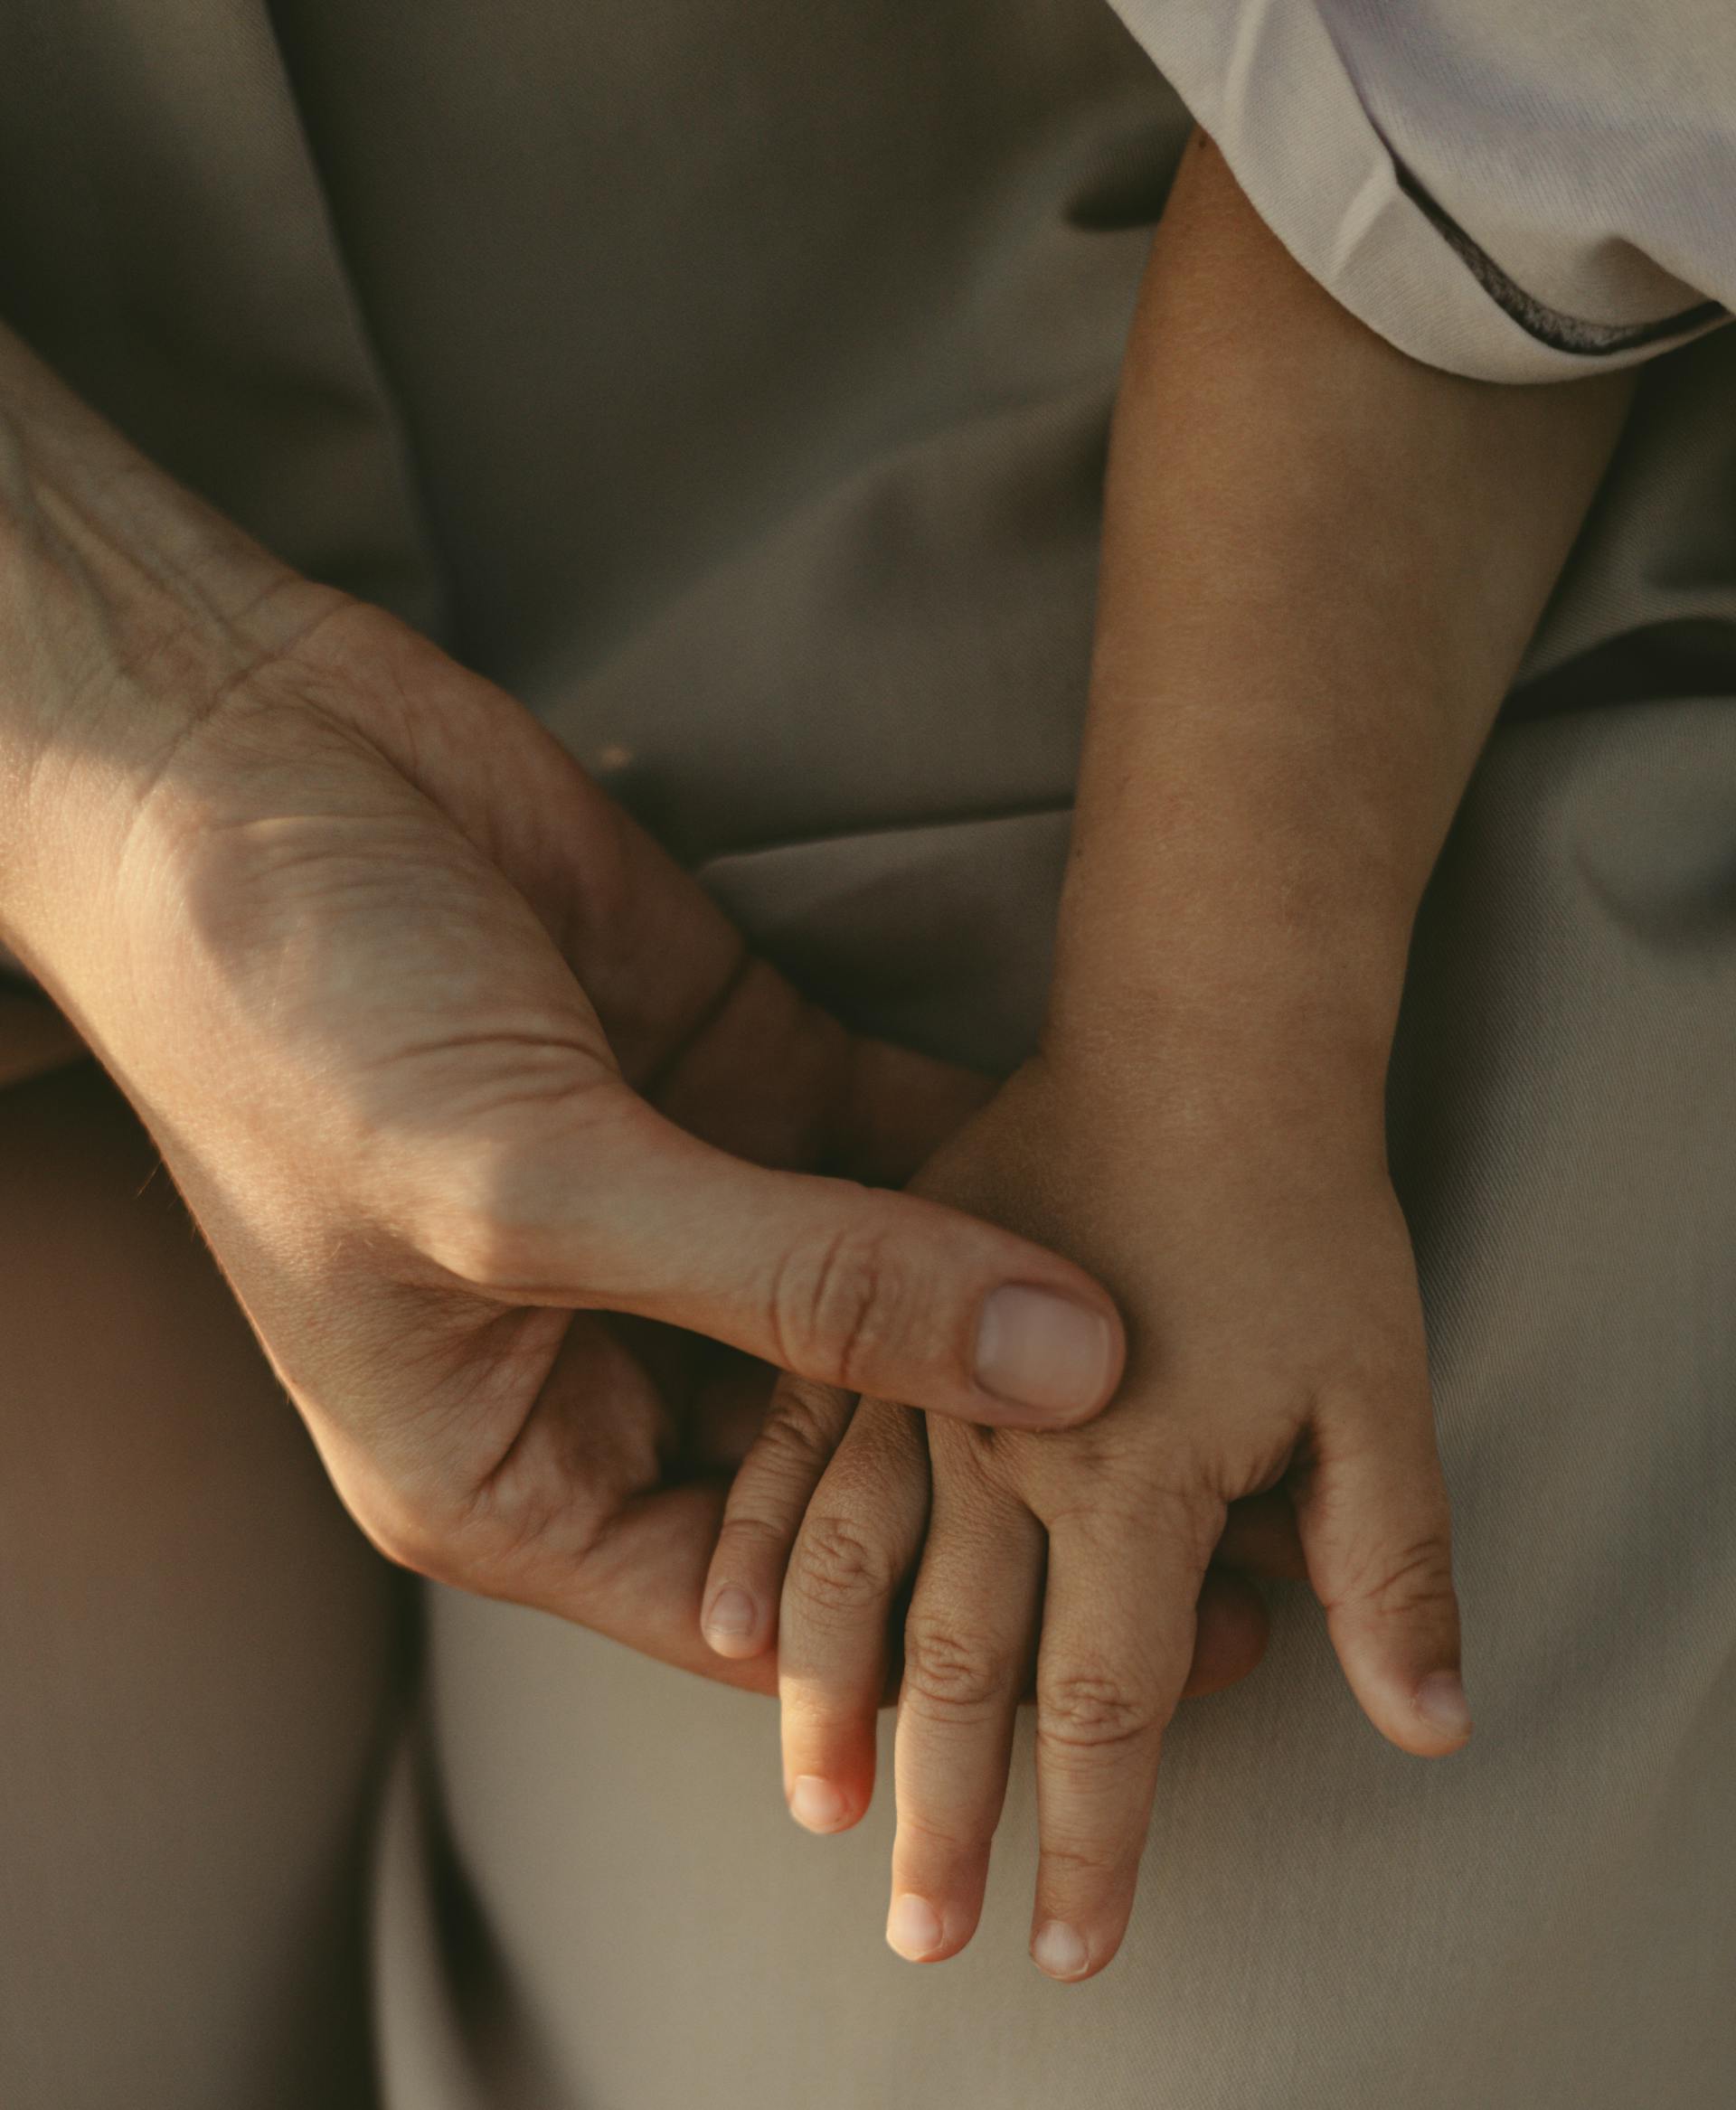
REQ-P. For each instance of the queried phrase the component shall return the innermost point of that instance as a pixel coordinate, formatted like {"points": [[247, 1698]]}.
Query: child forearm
{"points": [[1322, 562]]}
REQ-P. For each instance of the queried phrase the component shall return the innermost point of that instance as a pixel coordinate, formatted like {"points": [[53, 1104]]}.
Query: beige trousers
{"points": [[200, 1659]]}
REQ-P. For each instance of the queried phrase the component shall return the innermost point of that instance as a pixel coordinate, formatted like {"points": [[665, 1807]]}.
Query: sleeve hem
{"points": [[1333, 193]]}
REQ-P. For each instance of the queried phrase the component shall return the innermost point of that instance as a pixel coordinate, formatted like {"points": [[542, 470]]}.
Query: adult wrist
{"points": [[128, 608]]}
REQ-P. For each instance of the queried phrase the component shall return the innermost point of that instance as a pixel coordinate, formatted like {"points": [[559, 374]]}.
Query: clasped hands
{"points": [[1274, 1409], [535, 1186], [531, 1178]]}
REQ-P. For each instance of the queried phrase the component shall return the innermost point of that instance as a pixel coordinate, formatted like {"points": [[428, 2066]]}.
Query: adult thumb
{"points": [[878, 1292]]}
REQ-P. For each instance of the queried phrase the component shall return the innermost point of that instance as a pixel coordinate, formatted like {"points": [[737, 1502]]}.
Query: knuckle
{"points": [[485, 1538], [410, 1536], [840, 1304], [1091, 1710], [1393, 1583], [801, 1427], [923, 1836], [950, 1673], [749, 1536], [404, 1546], [1077, 1864], [1110, 1495], [837, 1565]]}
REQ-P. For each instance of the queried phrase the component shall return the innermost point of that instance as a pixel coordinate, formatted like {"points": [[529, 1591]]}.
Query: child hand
{"points": [[1276, 1344], [1322, 561]]}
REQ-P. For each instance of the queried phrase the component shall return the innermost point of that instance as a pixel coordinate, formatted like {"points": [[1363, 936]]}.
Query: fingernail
{"points": [[913, 1927], [1044, 1351], [816, 1802], [732, 1614], [1442, 1704], [1059, 1951]]}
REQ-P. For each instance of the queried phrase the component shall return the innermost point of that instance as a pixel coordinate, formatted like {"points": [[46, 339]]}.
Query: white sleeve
{"points": [[1517, 190]]}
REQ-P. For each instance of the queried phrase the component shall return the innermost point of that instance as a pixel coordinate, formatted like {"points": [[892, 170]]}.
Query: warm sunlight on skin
{"points": [[1318, 576], [262, 831]]}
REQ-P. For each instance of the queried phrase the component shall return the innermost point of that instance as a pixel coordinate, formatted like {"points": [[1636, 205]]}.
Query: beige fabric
{"points": [[1546, 1923], [733, 382], [199, 1662], [1516, 193]]}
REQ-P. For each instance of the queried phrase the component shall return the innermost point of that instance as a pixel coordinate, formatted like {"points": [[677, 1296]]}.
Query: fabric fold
{"points": [[1511, 194]]}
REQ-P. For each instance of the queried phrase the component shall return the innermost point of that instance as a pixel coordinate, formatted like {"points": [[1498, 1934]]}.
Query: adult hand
{"points": [[443, 1051]]}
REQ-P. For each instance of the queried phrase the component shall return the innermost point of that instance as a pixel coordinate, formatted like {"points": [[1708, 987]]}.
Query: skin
{"points": [[527, 1175], [1318, 582]]}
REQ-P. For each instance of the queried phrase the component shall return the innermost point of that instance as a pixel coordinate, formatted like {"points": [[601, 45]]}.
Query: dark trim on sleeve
{"points": [[1548, 325]]}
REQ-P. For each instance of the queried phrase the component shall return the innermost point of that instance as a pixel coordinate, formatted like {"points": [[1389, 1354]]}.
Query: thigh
{"points": [[197, 1659]]}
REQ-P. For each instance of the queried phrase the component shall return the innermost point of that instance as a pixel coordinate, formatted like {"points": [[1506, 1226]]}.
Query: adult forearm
{"points": [[1322, 563], [126, 607], [72, 487]]}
